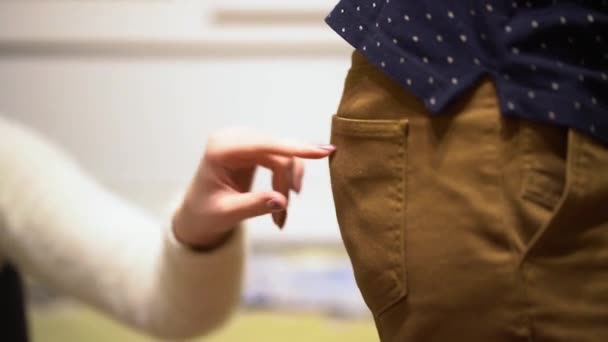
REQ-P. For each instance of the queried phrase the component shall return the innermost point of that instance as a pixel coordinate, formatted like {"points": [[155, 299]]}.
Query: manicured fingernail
{"points": [[282, 217], [296, 181], [274, 206], [279, 219], [297, 185], [274, 219], [327, 147]]}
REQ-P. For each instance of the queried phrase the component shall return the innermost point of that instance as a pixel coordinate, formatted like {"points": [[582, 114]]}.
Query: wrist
{"points": [[188, 231]]}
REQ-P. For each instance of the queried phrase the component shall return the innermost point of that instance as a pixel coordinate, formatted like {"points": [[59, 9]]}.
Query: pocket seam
{"points": [[390, 129], [542, 190], [370, 128], [401, 225]]}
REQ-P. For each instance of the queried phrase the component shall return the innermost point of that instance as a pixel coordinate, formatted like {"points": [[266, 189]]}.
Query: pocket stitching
{"points": [[542, 190], [401, 225], [369, 128], [387, 129]]}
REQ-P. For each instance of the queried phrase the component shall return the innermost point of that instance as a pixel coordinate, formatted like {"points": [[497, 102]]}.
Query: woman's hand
{"points": [[219, 196]]}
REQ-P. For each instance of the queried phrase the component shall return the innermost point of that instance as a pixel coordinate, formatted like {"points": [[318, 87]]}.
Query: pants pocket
{"points": [[546, 151], [368, 175]]}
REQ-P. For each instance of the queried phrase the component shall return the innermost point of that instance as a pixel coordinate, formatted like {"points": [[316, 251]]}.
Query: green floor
{"points": [[77, 324]]}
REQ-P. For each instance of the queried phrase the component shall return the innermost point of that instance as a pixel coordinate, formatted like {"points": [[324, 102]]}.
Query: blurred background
{"points": [[132, 89]]}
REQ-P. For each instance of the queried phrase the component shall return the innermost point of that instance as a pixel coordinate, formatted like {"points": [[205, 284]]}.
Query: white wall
{"points": [[133, 89]]}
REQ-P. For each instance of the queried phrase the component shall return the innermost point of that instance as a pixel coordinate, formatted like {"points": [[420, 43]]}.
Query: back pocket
{"points": [[368, 176]]}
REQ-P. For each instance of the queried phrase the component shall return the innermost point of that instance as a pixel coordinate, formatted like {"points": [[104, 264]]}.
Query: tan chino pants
{"points": [[469, 226]]}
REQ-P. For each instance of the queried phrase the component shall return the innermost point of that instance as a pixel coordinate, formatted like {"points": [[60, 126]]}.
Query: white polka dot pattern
{"points": [[549, 58]]}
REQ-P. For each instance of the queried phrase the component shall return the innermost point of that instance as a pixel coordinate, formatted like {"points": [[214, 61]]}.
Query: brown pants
{"points": [[469, 226]]}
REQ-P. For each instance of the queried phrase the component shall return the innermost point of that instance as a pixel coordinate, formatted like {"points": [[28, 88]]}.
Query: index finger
{"points": [[286, 150], [248, 144]]}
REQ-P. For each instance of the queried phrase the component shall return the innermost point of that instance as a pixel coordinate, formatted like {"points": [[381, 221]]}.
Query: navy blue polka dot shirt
{"points": [[548, 58]]}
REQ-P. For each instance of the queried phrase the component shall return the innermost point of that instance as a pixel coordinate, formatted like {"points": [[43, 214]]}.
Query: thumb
{"points": [[240, 207]]}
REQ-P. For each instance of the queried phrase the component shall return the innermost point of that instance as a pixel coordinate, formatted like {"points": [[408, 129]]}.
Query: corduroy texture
{"points": [[469, 226]]}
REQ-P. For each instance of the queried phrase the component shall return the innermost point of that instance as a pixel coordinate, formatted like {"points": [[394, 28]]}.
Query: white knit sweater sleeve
{"points": [[58, 225]]}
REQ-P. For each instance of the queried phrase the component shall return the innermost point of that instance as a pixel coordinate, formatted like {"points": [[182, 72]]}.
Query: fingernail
{"points": [[274, 219], [274, 206], [296, 182], [297, 187], [281, 220], [327, 147]]}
